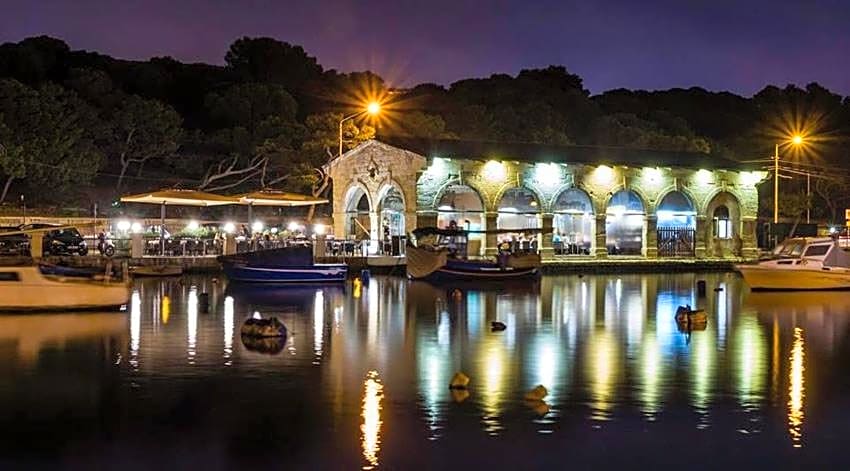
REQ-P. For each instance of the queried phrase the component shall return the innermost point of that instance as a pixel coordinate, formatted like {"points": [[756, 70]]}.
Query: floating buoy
{"points": [[497, 326], [718, 289], [261, 328], [540, 408], [365, 275], [459, 395], [686, 315], [537, 394], [459, 381]]}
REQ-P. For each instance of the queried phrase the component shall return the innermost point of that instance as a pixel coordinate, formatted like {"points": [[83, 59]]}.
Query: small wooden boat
{"points": [[440, 255], [283, 265], [26, 288], [157, 270], [801, 264], [686, 315]]}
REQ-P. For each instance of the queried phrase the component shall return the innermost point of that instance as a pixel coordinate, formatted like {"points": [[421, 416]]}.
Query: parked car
{"points": [[60, 241], [17, 244]]}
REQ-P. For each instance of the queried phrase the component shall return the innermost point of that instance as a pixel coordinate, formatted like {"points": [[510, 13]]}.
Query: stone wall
{"points": [[374, 167]]}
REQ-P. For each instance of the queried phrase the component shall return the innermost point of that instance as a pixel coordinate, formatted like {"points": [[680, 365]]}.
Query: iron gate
{"points": [[676, 241]]}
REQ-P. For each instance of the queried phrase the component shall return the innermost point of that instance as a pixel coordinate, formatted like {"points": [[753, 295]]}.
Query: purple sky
{"points": [[717, 44]]}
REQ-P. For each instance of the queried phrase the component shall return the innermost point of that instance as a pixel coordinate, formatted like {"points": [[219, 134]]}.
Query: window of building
{"points": [[722, 223]]}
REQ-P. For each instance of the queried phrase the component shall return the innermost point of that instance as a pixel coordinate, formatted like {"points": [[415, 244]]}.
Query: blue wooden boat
{"points": [[284, 265]]}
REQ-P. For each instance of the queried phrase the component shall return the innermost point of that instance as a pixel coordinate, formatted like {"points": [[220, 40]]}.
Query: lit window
{"points": [[722, 223]]}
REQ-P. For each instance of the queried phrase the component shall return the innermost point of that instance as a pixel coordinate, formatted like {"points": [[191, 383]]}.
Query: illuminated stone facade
{"points": [[722, 202]]}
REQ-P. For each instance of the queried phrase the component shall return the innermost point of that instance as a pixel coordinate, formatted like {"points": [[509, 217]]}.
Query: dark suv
{"points": [[60, 241], [17, 244]]}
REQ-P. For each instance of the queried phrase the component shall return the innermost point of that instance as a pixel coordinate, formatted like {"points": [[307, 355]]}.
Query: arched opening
{"points": [[723, 235], [722, 223], [462, 205], [391, 211], [357, 208], [624, 224], [518, 210], [572, 231], [676, 225]]}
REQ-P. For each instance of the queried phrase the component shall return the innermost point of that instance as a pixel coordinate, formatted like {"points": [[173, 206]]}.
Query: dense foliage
{"points": [[269, 118]]}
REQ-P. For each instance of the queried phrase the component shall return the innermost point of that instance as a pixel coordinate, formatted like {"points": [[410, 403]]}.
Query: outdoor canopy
{"points": [[179, 197]]}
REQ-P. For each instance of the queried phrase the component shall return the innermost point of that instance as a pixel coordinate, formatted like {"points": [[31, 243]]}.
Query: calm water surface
{"points": [[362, 379]]}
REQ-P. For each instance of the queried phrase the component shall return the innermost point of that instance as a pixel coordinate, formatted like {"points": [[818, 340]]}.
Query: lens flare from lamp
{"points": [[603, 174], [193, 225], [704, 176], [320, 229], [229, 227], [123, 226], [257, 226]]}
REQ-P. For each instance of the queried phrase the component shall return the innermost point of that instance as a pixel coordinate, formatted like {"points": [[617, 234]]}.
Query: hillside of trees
{"points": [[88, 127]]}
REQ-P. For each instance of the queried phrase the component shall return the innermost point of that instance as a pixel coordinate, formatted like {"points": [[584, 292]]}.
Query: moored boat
{"points": [[801, 264], [440, 255], [26, 288], [283, 265]]}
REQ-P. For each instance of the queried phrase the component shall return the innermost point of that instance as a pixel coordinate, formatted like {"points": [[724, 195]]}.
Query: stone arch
{"points": [[463, 205], [519, 208], [684, 190], [718, 244], [573, 222], [391, 207], [357, 221], [625, 222], [683, 206]]}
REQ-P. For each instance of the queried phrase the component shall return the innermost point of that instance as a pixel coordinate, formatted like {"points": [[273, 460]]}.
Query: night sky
{"points": [[717, 44]]}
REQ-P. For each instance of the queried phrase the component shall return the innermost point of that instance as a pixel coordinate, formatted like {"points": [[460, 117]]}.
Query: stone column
{"points": [[650, 236], [339, 222], [545, 239], [491, 241], [600, 250], [137, 246], [749, 244], [422, 219], [375, 233], [700, 240]]}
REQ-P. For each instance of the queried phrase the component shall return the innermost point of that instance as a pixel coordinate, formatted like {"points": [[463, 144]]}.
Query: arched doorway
{"points": [[519, 209], [391, 212], [676, 226], [572, 225], [357, 208], [723, 235], [463, 205], [624, 224]]}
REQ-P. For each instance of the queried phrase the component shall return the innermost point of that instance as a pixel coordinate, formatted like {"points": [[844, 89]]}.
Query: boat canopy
{"points": [[836, 257]]}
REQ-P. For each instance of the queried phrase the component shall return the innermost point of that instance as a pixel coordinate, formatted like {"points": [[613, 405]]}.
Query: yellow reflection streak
{"points": [[796, 389], [166, 309], [602, 357], [228, 329], [135, 327], [371, 428], [651, 372], [192, 324], [494, 377], [752, 350]]}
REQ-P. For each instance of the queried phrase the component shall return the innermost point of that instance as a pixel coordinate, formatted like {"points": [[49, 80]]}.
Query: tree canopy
{"points": [[271, 115]]}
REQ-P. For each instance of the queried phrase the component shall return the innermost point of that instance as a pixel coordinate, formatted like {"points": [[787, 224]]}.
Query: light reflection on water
{"points": [[606, 348]]}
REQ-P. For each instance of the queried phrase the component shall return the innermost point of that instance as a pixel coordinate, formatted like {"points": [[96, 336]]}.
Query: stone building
{"points": [[588, 201]]}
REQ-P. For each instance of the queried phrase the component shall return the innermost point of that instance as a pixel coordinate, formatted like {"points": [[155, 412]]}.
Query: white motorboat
{"points": [[801, 264], [26, 288]]}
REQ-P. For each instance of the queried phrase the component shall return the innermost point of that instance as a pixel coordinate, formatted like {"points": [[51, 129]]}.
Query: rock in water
{"points": [[537, 394], [459, 381], [270, 327], [497, 326]]}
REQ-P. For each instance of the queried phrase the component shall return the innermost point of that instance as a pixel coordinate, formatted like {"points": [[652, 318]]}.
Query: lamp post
{"points": [[796, 140], [372, 108]]}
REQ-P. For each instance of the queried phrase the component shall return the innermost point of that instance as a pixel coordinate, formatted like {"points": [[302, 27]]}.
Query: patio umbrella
{"points": [[177, 197], [276, 198]]}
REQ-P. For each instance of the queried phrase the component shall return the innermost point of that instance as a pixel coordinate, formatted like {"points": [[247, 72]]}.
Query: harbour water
{"points": [[361, 380]]}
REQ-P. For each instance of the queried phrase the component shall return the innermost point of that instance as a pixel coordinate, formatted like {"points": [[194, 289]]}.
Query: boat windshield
{"points": [[790, 249]]}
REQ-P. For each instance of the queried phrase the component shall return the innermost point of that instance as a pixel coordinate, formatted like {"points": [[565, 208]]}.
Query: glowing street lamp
{"points": [[795, 140], [373, 108]]}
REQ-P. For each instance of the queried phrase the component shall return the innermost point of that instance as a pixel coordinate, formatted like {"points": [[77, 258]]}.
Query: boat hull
{"points": [[318, 273], [761, 278], [26, 289], [447, 274]]}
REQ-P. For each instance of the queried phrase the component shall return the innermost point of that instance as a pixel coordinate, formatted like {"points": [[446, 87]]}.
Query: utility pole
{"points": [[776, 184]]}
